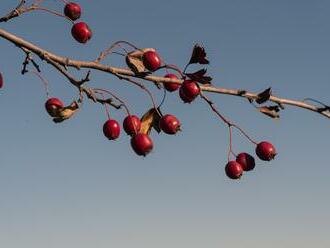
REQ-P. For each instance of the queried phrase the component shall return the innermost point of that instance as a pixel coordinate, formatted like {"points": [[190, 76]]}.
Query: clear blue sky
{"points": [[66, 186]]}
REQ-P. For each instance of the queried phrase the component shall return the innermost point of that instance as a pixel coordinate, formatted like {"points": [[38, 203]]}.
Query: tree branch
{"points": [[63, 61]]}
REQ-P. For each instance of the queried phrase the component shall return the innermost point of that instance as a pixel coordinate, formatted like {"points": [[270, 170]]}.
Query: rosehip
{"points": [[111, 129], [151, 60], [53, 106], [81, 32], [189, 90], [72, 10], [265, 151], [132, 124], [246, 161], [234, 170], [169, 124], [141, 144], [171, 86]]}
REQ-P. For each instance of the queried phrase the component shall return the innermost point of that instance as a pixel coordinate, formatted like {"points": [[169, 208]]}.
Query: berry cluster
{"points": [[245, 162], [144, 62], [80, 31]]}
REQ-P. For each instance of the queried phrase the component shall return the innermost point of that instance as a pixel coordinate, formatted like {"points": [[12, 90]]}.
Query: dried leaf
{"points": [[150, 120], [66, 112], [134, 60], [200, 77], [264, 96], [271, 111], [198, 56]]}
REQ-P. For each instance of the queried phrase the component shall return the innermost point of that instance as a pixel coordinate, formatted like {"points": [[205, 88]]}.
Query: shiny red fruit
{"points": [[72, 10], [111, 129], [132, 124], [265, 151], [151, 60], [141, 144], [53, 106], [171, 86], [234, 170], [246, 161], [81, 32], [189, 90], [169, 124], [1, 81]]}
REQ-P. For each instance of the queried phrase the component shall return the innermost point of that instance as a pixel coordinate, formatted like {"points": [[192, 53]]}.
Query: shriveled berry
{"points": [[171, 86], [142, 144], [246, 161], [111, 129], [132, 124], [53, 106], [169, 124], [265, 151]]}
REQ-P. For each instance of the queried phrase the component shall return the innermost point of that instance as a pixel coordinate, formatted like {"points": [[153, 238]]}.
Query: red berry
{"points": [[53, 106], [234, 170], [141, 144], [189, 90], [151, 60], [132, 124], [81, 32], [72, 10], [1, 81], [111, 129], [169, 124], [246, 161], [171, 86], [265, 151]]}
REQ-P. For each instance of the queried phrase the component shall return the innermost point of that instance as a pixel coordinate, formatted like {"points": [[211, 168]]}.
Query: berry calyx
{"points": [[53, 106], [132, 124], [246, 161], [111, 129], [1, 81], [142, 144], [72, 10], [169, 124], [234, 170], [81, 32], [189, 90], [151, 60], [265, 151], [171, 86]]}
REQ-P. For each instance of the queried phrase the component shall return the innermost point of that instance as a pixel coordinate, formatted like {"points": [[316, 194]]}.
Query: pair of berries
{"points": [[188, 91], [131, 124], [140, 142], [245, 162], [80, 31]]}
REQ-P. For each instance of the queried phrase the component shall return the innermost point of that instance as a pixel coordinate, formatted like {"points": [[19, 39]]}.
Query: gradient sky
{"points": [[66, 186]]}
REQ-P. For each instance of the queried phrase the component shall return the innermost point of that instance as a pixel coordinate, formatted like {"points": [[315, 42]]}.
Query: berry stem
{"points": [[224, 119], [101, 91], [36, 7], [107, 111], [142, 86], [109, 50], [44, 81]]}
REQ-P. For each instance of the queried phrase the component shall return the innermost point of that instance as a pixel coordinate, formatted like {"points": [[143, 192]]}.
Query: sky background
{"points": [[66, 186]]}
